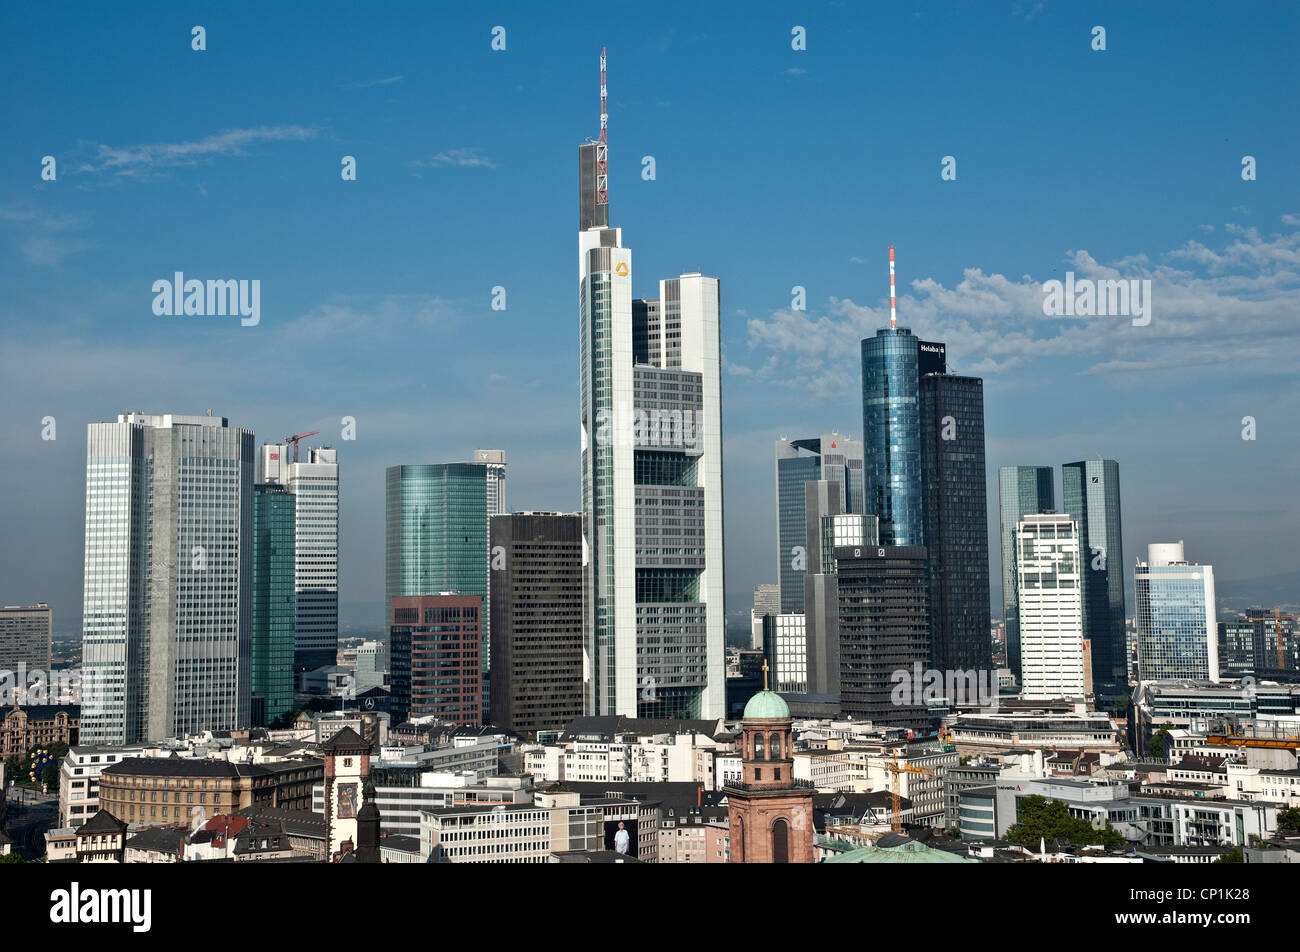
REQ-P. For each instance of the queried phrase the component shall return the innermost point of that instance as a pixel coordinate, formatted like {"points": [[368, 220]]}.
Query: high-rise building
{"points": [[891, 435], [767, 601], [1178, 633], [26, 635], [955, 488], [831, 457], [167, 616], [786, 648], [651, 461], [436, 539], [536, 605], [1091, 493], [274, 602], [1050, 604], [1236, 648], [884, 597], [434, 643], [822, 594], [495, 463], [314, 482], [1022, 491]]}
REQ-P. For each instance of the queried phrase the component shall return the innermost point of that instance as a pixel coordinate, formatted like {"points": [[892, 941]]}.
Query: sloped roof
{"points": [[909, 852]]}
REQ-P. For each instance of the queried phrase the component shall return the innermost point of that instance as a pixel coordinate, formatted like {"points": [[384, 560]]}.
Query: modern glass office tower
{"points": [[891, 435], [1022, 491], [167, 615], [955, 488], [767, 601], [651, 462], [314, 482], [1051, 607], [274, 602], [821, 589], [1091, 492], [832, 457], [1178, 634]]}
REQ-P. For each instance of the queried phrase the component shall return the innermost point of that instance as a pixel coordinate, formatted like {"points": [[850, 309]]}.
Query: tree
{"points": [[1289, 819], [1039, 819], [1231, 856], [1159, 744], [11, 858]]}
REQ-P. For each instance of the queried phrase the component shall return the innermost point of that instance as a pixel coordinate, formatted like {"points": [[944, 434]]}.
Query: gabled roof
{"points": [[345, 739], [159, 839], [102, 822]]}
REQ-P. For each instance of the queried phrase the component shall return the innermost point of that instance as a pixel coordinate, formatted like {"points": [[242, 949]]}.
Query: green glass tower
{"points": [[274, 602]]}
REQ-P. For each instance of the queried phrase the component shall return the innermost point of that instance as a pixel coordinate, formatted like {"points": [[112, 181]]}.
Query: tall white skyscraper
{"points": [[1177, 627], [495, 462], [314, 481], [1050, 605], [167, 613], [650, 421]]}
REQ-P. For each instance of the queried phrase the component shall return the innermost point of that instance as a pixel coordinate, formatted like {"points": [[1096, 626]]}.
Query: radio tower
{"points": [[893, 311], [602, 144]]}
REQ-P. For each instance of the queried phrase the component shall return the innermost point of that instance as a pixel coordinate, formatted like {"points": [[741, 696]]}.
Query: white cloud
{"points": [[464, 158], [141, 160]]}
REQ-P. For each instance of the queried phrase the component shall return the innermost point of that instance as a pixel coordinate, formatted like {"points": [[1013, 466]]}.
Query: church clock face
{"points": [[347, 800]]}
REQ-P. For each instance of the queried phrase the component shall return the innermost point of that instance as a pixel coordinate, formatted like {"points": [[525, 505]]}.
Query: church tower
{"points": [[771, 817], [347, 772]]}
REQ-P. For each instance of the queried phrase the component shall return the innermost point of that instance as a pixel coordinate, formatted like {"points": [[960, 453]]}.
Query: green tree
{"points": [[1232, 856], [1289, 819], [1158, 747], [1039, 819], [11, 858]]}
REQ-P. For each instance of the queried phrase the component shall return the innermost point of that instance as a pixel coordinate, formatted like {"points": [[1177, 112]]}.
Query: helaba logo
{"points": [[195, 298], [74, 905]]}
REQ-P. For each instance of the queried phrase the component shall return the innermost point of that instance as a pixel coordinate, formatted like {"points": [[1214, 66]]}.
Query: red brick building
{"points": [[434, 649]]}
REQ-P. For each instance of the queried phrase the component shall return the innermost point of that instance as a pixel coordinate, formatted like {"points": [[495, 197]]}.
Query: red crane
{"points": [[294, 440]]}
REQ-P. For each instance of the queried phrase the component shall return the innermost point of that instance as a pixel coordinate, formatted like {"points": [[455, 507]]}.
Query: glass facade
{"points": [[1177, 633], [956, 521], [1091, 495], [274, 602], [891, 435], [1022, 491]]}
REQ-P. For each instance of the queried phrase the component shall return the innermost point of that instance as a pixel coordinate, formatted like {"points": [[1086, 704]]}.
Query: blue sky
{"points": [[775, 168]]}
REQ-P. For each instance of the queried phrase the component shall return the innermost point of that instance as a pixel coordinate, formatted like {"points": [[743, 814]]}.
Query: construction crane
{"points": [[893, 767], [295, 438], [1276, 618]]}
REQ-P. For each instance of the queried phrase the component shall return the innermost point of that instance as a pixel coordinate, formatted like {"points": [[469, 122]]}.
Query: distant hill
{"points": [[1267, 591]]}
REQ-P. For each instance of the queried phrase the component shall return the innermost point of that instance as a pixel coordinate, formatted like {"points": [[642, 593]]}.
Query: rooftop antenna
{"points": [[602, 144], [893, 309]]}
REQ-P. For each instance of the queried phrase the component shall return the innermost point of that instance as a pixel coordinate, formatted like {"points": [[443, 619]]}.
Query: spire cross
{"points": [[765, 674]]}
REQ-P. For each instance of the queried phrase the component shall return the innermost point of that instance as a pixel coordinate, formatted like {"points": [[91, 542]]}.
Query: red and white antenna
{"points": [[893, 309], [602, 144]]}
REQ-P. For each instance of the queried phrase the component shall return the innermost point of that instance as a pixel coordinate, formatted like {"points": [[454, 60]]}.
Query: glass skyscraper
{"points": [[1177, 632], [955, 489], [891, 435], [1022, 491], [1091, 491], [274, 602]]}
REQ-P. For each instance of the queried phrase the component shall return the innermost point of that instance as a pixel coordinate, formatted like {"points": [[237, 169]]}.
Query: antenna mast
{"points": [[602, 144], [893, 310]]}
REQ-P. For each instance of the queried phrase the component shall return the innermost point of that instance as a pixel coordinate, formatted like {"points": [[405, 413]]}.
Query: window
{"points": [[780, 842]]}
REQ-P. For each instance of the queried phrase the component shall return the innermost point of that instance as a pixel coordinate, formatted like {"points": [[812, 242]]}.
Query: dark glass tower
{"points": [[274, 602], [1022, 491], [1091, 492], [891, 435], [956, 520]]}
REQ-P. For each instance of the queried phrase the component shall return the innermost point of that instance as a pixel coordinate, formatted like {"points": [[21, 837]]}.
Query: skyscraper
{"points": [[833, 457], [955, 488], [434, 643], [884, 597], [495, 463], [314, 482], [1022, 491], [167, 616], [1177, 631], [821, 588], [891, 435], [1091, 491], [274, 602], [1050, 604], [25, 637], [767, 601], [536, 585], [651, 462]]}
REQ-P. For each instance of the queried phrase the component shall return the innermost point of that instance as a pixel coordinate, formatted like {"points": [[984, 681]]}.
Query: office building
{"points": [[832, 457], [1091, 494], [314, 482], [1050, 604], [767, 601], [821, 590], [26, 634], [494, 461], [891, 435], [1178, 635], [786, 644], [884, 628], [1022, 491], [651, 477], [536, 606], [167, 616], [955, 507], [274, 602], [434, 642]]}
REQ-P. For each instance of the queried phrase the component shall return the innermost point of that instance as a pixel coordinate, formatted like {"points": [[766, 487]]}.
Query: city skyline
{"points": [[1055, 390]]}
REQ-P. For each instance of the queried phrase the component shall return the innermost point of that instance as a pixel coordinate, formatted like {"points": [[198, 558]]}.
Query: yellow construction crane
{"points": [[893, 767]]}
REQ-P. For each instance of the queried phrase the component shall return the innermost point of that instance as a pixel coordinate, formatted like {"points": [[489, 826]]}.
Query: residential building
{"points": [[79, 780]]}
